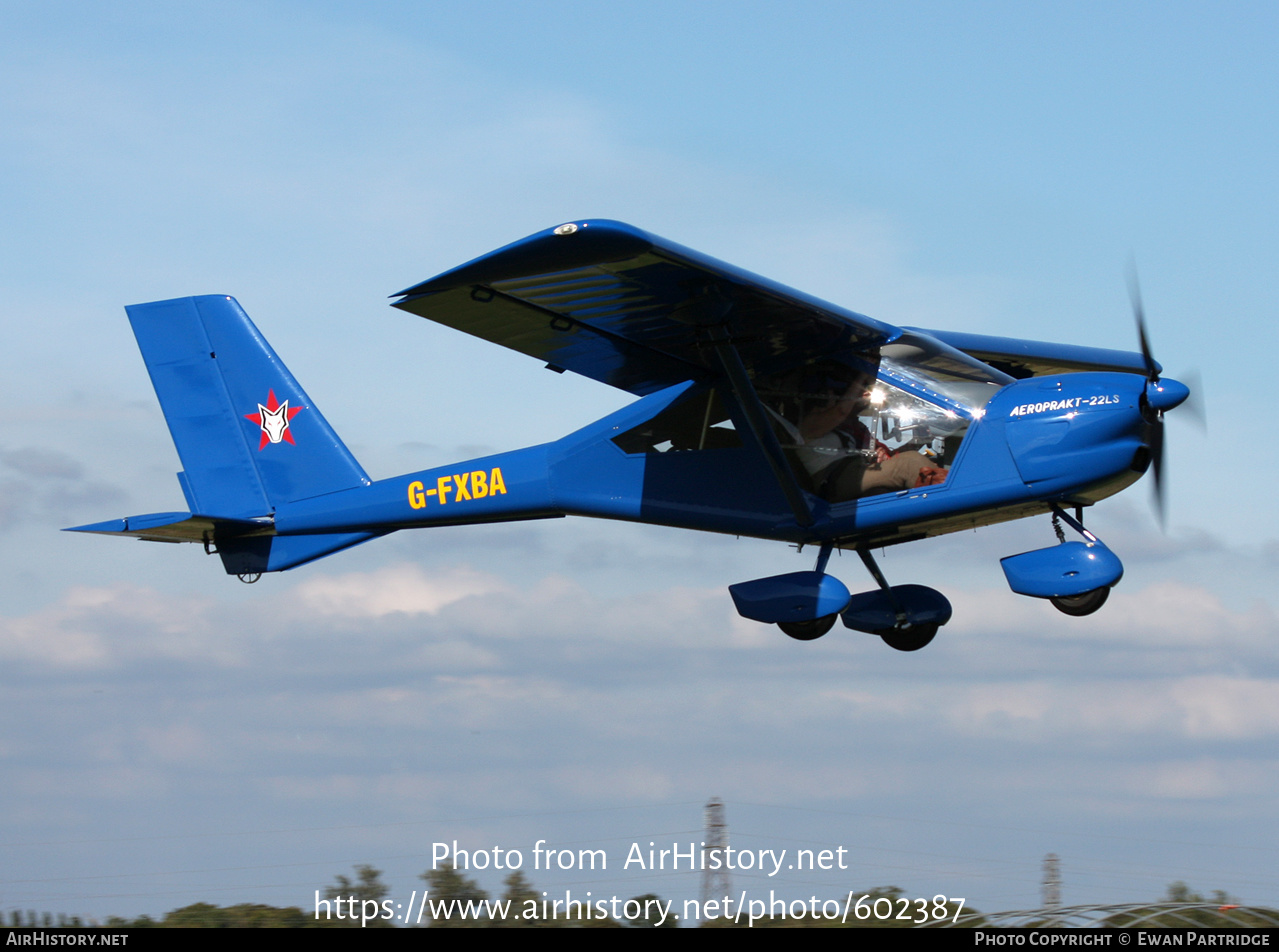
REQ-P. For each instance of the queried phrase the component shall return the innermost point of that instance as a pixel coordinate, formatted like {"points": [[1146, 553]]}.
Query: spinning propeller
{"points": [[1160, 395]]}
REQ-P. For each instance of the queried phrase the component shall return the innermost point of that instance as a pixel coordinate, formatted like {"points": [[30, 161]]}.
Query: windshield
{"points": [[939, 372]]}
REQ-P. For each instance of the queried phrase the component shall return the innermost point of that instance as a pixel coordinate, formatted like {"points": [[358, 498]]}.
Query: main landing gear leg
{"points": [[814, 629], [903, 635], [806, 605]]}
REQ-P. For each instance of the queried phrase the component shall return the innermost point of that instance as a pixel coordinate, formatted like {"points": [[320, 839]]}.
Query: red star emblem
{"points": [[274, 420]]}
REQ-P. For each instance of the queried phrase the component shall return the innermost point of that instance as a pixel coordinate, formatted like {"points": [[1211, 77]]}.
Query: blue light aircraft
{"points": [[762, 412]]}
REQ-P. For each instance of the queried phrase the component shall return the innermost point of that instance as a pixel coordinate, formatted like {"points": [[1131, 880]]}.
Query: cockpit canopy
{"points": [[878, 422]]}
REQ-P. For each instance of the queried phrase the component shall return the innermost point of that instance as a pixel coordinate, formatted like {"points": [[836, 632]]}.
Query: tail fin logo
{"points": [[274, 420]]}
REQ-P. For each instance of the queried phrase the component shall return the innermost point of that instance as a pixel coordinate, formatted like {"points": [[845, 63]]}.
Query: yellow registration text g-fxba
{"points": [[461, 486]]}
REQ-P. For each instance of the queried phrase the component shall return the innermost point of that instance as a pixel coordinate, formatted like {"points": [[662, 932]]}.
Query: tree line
{"points": [[460, 902]]}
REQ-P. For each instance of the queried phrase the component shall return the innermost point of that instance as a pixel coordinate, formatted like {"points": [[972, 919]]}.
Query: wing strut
{"points": [[757, 418]]}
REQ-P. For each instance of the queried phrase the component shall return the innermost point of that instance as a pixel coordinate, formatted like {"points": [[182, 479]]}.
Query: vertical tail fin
{"points": [[248, 436]]}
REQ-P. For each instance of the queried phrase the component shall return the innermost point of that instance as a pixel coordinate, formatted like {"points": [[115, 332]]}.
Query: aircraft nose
{"points": [[1163, 395]]}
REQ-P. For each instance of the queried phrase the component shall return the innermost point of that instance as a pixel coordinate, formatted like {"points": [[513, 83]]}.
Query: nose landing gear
{"points": [[1075, 576]]}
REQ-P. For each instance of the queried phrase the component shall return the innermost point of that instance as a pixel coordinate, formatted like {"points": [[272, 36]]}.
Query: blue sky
{"points": [[173, 736]]}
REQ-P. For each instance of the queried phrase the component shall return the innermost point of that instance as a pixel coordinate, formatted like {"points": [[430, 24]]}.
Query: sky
{"points": [[172, 736]]}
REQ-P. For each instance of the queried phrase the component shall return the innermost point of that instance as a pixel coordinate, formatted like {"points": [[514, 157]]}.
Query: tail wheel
{"points": [[808, 630], [1080, 605], [909, 639]]}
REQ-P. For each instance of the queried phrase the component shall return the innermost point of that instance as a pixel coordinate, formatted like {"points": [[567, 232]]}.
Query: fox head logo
{"points": [[274, 420]]}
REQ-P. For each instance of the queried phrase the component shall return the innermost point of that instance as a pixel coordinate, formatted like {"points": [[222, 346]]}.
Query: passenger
{"points": [[839, 452]]}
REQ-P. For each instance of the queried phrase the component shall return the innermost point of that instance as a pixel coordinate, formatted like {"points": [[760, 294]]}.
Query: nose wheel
{"points": [[1081, 605]]}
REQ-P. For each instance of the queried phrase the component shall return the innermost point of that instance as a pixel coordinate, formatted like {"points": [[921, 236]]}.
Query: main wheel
{"points": [[1080, 605], [909, 639], [808, 630]]}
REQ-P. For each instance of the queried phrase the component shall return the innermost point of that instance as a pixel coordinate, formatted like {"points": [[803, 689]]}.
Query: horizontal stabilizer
{"points": [[177, 527], [245, 545]]}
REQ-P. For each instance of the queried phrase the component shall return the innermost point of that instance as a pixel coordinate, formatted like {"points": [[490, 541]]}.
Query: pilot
{"points": [[838, 450]]}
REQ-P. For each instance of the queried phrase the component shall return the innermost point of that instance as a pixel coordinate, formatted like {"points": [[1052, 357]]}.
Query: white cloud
{"points": [[1199, 779], [617, 782], [42, 463], [397, 588], [1217, 707], [101, 627], [1162, 616], [1100, 712], [178, 743]]}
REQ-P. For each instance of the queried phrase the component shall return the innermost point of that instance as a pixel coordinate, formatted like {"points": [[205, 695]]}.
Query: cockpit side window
{"points": [[697, 421], [859, 429], [904, 422]]}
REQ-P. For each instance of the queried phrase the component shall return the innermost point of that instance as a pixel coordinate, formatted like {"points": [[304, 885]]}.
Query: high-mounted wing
{"points": [[614, 303], [1029, 358]]}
